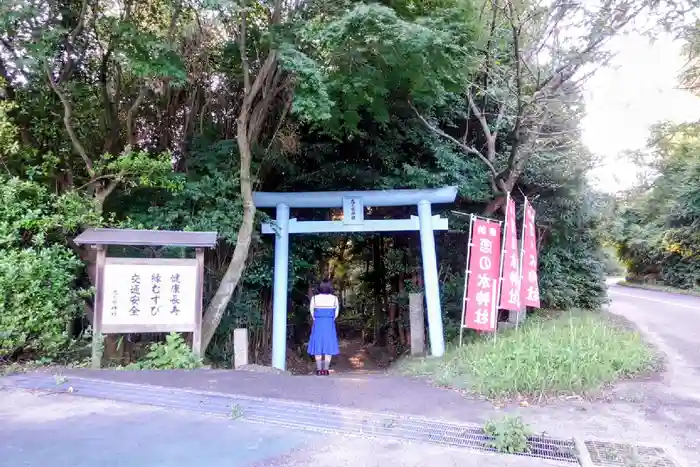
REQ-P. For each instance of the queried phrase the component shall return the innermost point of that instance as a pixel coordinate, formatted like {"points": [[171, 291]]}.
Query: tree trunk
{"points": [[401, 290], [392, 309], [256, 96], [217, 307], [376, 265]]}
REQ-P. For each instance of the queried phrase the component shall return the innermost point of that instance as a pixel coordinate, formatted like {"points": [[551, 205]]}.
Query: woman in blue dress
{"points": [[324, 308]]}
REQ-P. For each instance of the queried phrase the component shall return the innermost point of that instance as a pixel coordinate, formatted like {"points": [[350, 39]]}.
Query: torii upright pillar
{"points": [[353, 204], [430, 279], [279, 291]]}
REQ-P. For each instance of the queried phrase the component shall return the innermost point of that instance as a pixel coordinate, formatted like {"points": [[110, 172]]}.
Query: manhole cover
{"points": [[627, 455]]}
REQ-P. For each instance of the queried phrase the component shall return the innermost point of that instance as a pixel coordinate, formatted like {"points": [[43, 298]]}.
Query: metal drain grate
{"points": [[626, 455], [297, 415]]}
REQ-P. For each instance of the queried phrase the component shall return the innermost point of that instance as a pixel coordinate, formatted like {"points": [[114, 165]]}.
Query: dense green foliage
{"points": [[39, 293], [657, 229], [166, 114]]}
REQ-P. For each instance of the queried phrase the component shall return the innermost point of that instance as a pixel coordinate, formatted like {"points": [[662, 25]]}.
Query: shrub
{"points": [[573, 353], [37, 299]]}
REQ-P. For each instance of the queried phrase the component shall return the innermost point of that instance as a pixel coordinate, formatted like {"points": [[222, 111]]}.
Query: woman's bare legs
{"points": [[319, 363], [327, 362]]}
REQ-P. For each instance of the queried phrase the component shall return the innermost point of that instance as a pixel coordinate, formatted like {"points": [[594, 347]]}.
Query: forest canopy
{"points": [[168, 114]]}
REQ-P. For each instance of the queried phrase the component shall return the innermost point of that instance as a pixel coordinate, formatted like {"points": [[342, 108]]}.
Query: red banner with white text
{"points": [[530, 291], [510, 279], [483, 269]]}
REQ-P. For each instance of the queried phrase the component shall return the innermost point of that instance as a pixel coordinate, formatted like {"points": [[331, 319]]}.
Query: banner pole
{"points": [[503, 255], [520, 266], [494, 312], [467, 272]]}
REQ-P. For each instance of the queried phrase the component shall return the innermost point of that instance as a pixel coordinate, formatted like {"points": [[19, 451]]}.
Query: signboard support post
{"points": [[197, 333], [97, 337]]}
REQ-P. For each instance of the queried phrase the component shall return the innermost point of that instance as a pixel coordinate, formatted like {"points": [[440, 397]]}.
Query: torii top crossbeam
{"points": [[334, 199]]}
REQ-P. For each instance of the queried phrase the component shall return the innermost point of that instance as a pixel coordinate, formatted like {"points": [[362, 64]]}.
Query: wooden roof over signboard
{"points": [[135, 237]]}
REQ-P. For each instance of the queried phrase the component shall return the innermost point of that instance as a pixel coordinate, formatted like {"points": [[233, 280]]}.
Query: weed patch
{"points": [[509, 434], [574, 353], [174, 353]]}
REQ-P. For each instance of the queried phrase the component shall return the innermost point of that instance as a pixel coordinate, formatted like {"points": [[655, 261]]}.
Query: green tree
{"points": [[657, 232]]}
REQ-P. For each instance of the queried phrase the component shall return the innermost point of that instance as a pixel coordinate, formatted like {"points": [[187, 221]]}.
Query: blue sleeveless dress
{"points": [[324, 339]]}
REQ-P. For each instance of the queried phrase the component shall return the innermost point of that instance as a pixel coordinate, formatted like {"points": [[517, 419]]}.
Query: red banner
{"points": [[483, 270], [530, 292], [510, 279]]}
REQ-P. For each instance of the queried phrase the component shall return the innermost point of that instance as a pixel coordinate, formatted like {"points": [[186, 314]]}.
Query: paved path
{"points": [[672, 321], [39, 430]]}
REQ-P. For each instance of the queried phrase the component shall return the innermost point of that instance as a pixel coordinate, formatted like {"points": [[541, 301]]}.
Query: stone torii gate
{"points": [[353, 204]]}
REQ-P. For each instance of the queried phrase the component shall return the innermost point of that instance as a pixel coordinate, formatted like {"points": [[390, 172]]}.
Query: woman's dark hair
{"points": [[325, 287]]}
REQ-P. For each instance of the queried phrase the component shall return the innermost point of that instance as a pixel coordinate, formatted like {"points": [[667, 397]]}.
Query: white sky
{"points": [[638, 89]]}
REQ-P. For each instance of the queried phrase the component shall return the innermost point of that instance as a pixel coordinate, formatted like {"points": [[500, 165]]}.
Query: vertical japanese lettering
{"points": [[510, 277], [530, 292], [155, 293], [115, 302], [175, 289], [483, 267], [135, 297]]}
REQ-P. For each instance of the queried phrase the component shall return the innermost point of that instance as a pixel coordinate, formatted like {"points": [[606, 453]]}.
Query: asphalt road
{"points": [[70, 431], [671, 321]]}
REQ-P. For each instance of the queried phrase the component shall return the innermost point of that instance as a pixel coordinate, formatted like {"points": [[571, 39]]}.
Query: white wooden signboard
{"points": [[149, 295]]}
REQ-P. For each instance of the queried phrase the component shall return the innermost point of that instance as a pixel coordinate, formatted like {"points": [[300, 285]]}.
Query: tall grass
{"points": [[573, 353]]}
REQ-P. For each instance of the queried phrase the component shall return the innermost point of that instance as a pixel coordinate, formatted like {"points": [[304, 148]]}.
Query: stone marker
{"points": [[416, 310], [517, 317], [240, 347]]}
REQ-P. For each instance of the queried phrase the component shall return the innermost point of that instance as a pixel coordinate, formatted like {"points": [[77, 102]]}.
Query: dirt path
{"points": [[357, 357]]}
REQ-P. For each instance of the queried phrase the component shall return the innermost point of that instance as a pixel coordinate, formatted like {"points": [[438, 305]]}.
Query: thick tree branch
{"points": [[490, 138], [131, 114], [245, 66], [68, 123], [9, 90], [463, 146], [69, 66], [515, 30]]}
